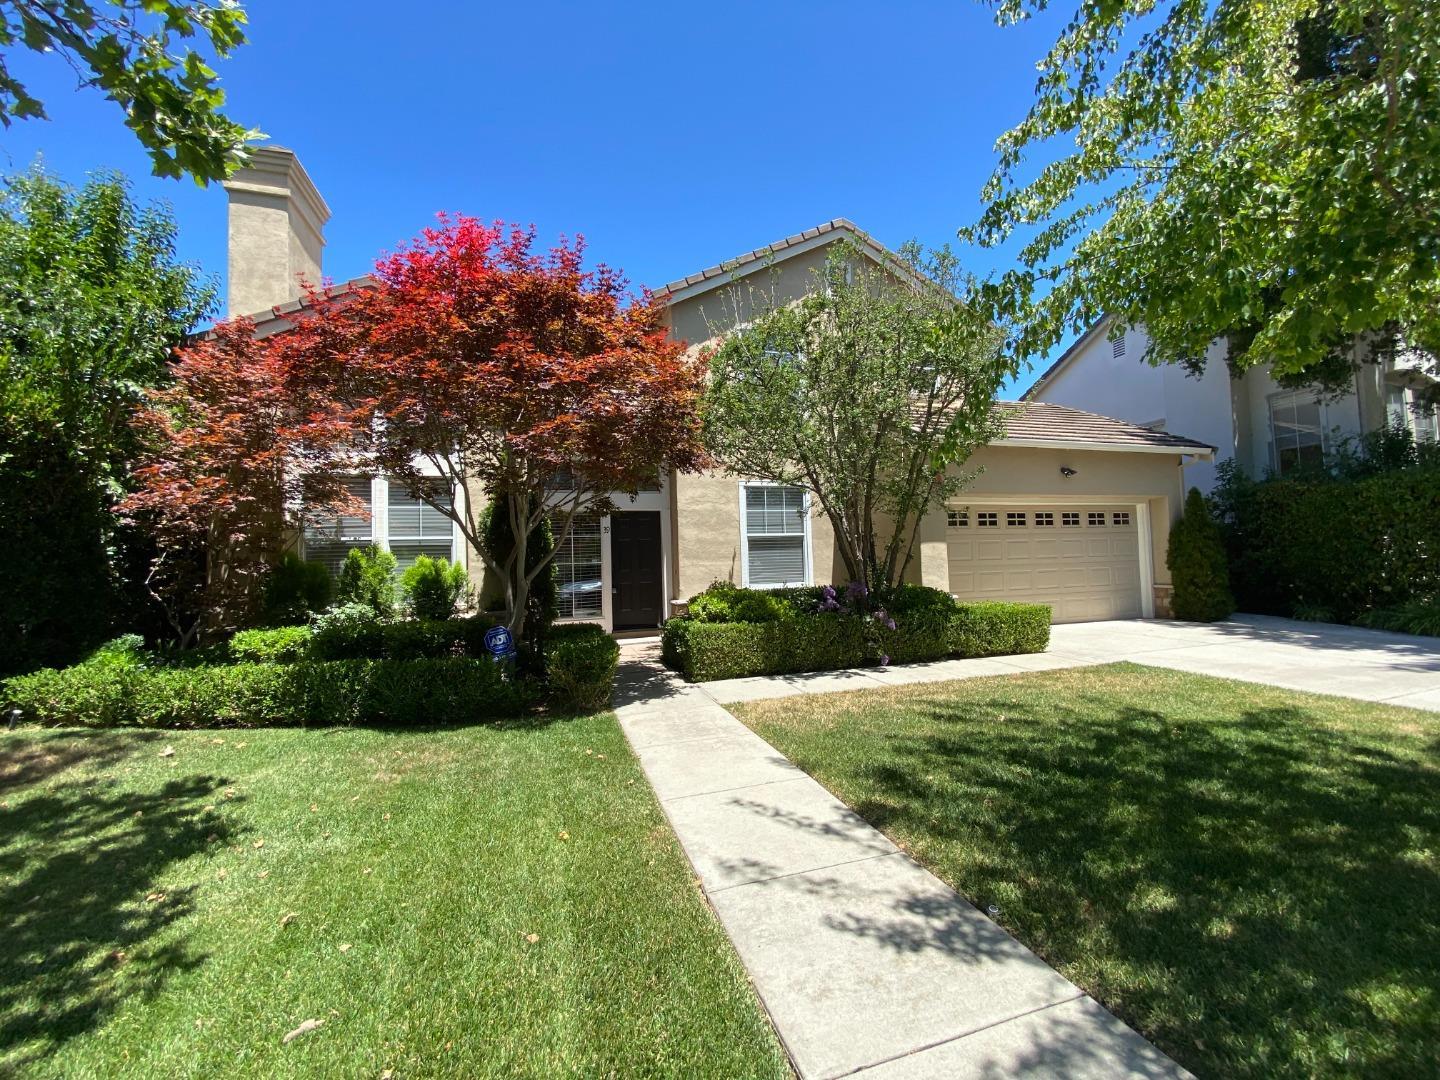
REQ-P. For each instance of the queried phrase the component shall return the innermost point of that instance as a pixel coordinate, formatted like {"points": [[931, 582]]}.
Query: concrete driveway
{"points": [[1325, 659]]}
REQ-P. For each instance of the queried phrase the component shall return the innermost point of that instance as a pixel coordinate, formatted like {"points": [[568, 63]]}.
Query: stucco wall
{"points": [[699, 318], [1164, 396], [707, 535]]}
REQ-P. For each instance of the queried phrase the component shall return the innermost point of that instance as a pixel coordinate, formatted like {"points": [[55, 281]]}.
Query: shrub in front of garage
{"points": [[790, 630]]}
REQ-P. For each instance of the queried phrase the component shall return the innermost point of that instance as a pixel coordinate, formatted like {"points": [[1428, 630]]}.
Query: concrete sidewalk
{"points": [[868, 964], [1321, 658]]}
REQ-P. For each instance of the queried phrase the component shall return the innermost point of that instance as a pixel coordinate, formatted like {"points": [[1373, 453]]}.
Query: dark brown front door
{"points": [[635, 562]]}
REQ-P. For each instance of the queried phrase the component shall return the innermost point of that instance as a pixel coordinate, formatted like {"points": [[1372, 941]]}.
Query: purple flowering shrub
{"points": [[859, 602]]}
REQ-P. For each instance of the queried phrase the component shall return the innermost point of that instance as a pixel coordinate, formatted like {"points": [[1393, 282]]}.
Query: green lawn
{"points": [[1249, 876], [465, 902]]}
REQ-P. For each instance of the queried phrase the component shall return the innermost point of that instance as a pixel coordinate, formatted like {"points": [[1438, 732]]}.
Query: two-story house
{"points": [[1250, 417], [1069, 509]]}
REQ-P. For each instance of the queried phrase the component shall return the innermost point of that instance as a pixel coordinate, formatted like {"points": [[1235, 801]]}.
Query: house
{"points": [[1071, 509], [1267, 428]]}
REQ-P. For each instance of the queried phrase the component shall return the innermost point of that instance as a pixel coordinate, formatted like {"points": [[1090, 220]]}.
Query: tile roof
{"points": [[1042, 422], [730, 266]]}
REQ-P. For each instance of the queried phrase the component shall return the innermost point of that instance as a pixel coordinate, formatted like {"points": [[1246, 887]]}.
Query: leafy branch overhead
{"points": [[172, 100], [1268, 173]]}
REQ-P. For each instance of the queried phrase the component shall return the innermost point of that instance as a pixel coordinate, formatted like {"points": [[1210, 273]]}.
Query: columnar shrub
{"points": [[433, 587], [368, 577], [1198, 567]]}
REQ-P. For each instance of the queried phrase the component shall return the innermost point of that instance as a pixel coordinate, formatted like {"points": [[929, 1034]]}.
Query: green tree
{"points": [[1199, 571], [171, 98], [92, 300], [866, 392], [1266, 173]]}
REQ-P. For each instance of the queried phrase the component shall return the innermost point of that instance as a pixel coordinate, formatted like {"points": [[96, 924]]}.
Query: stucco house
{"points": [[1072, 509], [1249, 418]]}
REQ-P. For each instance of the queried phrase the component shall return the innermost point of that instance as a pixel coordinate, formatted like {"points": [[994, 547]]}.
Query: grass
{"points": [[467, 902], [1249, 876]]}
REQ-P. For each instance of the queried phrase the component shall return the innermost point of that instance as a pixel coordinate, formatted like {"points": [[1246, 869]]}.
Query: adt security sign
{"points": [[500, 643]]}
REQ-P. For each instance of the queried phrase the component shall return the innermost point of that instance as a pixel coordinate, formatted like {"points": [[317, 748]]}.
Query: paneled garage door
{"points": [[1084, 561]]}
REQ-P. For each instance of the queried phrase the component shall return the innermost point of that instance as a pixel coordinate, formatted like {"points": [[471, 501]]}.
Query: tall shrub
{"points": [[367, 576], [1198, 567], [433, 587]]}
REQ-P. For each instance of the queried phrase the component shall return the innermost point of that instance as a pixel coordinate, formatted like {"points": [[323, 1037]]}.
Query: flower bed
{"points": [[734, 633]]}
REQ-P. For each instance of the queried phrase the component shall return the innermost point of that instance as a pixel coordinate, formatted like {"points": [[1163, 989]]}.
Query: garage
{"points": [[1084, 561]]}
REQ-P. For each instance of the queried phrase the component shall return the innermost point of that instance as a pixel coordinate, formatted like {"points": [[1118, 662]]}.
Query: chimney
{"points": [[277, 223]]}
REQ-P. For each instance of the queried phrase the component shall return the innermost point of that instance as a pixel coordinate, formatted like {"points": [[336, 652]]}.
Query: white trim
{"points": [[1147, 560], [745, 542], [1205, 453]]}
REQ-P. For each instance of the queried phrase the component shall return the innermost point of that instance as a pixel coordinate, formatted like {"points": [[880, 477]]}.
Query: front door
{"points": [[635, 561]]}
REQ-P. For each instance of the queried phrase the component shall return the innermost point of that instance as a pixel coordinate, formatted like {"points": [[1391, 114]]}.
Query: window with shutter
{"points": [[416, 528], [774, 527], [577, 570], [330, 540]]}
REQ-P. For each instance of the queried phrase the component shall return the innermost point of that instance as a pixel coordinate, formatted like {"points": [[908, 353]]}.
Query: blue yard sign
{"points": [[500, 643]]}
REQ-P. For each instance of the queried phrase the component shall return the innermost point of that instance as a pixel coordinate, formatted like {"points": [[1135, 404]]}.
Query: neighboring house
{"points": [[1070, 509], [1252, 419]]}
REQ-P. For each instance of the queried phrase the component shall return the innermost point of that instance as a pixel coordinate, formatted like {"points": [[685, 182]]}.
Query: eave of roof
{"points": [[722, 273]]}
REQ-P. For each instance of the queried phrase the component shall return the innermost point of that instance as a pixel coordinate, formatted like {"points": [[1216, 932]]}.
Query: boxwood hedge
{"points": [[399, 693], [929, 625]]}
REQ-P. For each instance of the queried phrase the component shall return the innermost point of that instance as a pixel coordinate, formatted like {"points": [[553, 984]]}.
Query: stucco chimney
{"points": [[277, 231]]}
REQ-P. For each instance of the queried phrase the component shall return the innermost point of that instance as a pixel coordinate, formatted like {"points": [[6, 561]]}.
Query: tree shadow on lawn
{"points": [[78, 866], [1258, 893]]}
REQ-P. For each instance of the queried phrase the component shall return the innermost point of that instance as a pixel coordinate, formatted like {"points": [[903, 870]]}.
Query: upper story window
{"points": [[775, 531], [1297, 433]]}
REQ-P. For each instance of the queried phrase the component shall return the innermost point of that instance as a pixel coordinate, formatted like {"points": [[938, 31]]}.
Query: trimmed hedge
{"points": [[412, 639], [281, 645], [580, 663], [929, 625], [398, 693], [1338, 546]]}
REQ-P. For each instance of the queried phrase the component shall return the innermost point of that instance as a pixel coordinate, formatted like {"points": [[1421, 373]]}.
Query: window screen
{"points": [[330, 540], [775, 535], [416, 528], [577, 570]]}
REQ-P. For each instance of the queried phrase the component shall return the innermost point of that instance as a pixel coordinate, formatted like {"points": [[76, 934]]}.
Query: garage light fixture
{"points": [[1066, 471]]}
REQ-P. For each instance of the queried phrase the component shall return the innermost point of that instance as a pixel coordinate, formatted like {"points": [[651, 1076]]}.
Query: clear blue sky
{"points": [[672, 136]]}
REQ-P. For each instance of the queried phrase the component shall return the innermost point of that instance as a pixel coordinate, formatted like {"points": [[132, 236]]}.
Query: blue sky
{"points": [[672, 136]]}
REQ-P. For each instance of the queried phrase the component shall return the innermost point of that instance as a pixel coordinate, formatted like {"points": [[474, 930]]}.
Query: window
{"points": [[394, 520], [1403, 407], [1296, 435], [1117, 347], [1015, 519], [1045, 520], [1068, 518], [416, 528], [1094, 518], [774, 528], [330, 540], [1120, 517], [957, 519], [988, 521], [577, 570]]}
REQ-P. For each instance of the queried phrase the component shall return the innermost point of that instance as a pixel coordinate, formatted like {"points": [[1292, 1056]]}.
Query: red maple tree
{"points": [[241, 446], [511, 373]]}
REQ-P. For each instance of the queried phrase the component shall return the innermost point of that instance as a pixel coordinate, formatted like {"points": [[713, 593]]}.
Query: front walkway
{"points": [[868, 964], [1322, 658]]}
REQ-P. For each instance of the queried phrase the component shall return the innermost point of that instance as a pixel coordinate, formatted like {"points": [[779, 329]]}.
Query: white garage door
{"points": [[1084, 561]]}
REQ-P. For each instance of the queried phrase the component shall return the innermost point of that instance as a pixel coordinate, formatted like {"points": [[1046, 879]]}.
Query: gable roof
{"points": [[1041, 424], [1099, 326], [723, 273]]}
